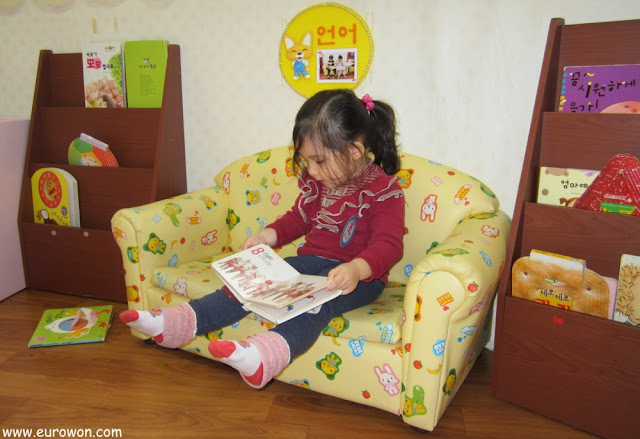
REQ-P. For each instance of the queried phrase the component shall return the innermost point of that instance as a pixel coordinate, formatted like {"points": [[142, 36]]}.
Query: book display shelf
{"points": [[149, 146], [576, 368]]}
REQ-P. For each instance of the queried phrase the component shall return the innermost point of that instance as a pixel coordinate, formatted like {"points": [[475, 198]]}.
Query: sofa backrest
{"points": [[263, 186]]}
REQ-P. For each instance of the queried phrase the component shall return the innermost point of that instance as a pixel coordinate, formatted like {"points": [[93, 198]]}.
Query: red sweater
{"points": [[364, 219]]}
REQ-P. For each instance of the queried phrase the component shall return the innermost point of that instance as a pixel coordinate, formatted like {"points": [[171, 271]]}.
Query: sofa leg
{"points": [[420, 430]]}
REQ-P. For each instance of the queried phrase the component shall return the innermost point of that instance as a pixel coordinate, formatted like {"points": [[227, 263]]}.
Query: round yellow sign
{"points": [[325, 46]]}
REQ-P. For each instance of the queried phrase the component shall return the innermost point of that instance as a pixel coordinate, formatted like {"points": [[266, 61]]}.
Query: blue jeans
{"points": [[216, 310]]}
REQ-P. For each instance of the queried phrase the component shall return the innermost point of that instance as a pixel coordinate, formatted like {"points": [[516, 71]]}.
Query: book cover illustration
{"points": [[563, 186], [627, 308], [616, 188], [103, 80], [560, 281], [145, 69], [72, 325], [88, 151], [55, 197], [600, 89]]}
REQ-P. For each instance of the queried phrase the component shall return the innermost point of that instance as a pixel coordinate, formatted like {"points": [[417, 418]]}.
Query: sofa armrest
{"points": [[447, 300], [169, 232]]}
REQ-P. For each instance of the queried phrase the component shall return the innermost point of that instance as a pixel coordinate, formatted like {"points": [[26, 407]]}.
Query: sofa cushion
{"points": [[378, 322]]}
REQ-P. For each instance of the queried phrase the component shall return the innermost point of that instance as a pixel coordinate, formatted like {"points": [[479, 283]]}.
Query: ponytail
{"points": [[381, 137]]}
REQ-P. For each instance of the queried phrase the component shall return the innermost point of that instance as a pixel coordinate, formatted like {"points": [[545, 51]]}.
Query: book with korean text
{"points": [[600, 89], [103, 75], [145, 71]]}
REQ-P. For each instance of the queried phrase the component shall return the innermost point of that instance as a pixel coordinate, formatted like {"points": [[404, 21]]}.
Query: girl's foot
{"points": [[148, 322], [169, 327], [258, 360], [242, 356]]}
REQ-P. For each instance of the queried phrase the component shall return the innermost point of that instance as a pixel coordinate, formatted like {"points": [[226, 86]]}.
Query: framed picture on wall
{"points": [[339, 65]]}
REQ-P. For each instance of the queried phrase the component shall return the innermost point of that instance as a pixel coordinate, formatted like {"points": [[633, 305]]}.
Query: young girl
{"points": [[351, 210]]}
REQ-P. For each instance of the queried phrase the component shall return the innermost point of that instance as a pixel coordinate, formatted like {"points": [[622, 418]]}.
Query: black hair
{"points": [[336, 119]]}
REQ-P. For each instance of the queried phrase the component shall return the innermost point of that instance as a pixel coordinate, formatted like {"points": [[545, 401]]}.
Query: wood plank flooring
{"points": [[149, 392]]}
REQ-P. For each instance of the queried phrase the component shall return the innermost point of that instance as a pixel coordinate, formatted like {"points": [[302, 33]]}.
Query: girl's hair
{"points": [[336, 119]]}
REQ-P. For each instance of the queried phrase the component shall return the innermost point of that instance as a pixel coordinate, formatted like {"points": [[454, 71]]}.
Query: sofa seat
{"points": [[380, 322]]}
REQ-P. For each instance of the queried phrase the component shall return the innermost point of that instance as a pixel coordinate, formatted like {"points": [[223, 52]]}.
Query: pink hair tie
{"points": [[368, 102]]}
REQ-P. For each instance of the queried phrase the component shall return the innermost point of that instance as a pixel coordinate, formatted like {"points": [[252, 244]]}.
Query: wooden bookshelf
{"points": [[576, 368], [149, 146]]}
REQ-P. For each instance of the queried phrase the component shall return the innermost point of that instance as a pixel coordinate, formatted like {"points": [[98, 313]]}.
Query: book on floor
{"points": [[72, 326], [268, 286]]}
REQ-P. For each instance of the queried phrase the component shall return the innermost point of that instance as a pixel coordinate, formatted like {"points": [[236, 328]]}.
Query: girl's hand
{"points": [[346, 276], [265, 236]]}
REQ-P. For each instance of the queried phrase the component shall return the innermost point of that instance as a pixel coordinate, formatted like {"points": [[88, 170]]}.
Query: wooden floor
{"points": [[150, 392]]}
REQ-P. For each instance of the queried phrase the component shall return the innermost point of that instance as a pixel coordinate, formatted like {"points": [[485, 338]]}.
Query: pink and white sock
{"points": [[258, 360], [241, 355], [148, 322], [169, 327]]}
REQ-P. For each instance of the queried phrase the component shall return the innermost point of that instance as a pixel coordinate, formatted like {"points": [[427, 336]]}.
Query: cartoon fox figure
{"points": [[299, 53]]}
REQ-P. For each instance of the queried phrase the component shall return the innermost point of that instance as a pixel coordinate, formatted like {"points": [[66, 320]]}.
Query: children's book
{"points": [[616, 188], [72, 325], [88, 151], [563, 186], [103, 75], [628, 295], [266, 285], [561, 281], [55, 197], [145, 69], [601, 89]]}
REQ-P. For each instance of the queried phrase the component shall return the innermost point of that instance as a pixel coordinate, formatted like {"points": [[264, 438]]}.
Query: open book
{"points": [[266, 285]]}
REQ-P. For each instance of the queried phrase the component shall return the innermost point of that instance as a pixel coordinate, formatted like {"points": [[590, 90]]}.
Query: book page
{"points": [[282, 294], [306, 304], [259, 275]]}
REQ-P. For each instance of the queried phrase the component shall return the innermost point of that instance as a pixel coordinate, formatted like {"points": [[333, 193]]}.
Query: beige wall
{"points": [[462, 74]]}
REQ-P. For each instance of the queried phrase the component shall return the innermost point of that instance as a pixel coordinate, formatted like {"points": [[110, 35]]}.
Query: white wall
{"points": [[462, 74]]}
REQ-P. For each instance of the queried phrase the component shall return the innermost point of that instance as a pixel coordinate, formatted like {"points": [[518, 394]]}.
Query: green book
{"points": [[72, 325], [145, 68]]}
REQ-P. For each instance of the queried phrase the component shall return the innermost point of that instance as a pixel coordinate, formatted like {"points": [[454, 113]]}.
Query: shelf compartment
{"points": [[587, 141], [73, 260], [598, 237], [101, 192], [63, 80], [131, 133], [575, 362]]}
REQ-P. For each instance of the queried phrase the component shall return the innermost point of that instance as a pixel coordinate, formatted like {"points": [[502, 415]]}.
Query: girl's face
{"points": [[326, 167]]}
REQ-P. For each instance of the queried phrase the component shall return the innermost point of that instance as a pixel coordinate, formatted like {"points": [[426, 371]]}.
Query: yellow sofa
{"points": [[408, 352]]}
